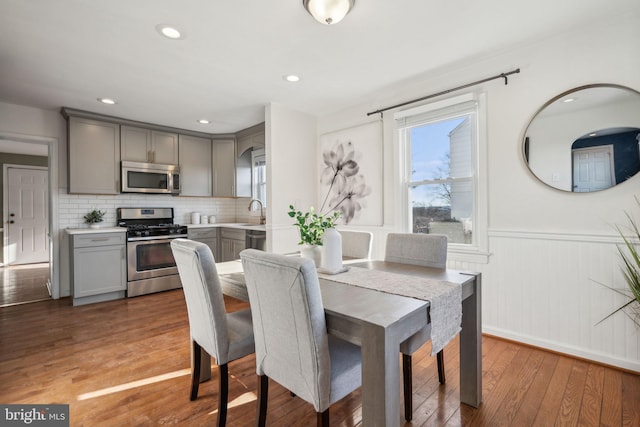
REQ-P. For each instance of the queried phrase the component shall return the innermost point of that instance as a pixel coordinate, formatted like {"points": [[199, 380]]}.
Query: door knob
{"points": [[11, 222], [12, 214]]}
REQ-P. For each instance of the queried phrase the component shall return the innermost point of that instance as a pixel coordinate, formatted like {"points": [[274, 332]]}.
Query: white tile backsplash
{"points": [[73, 207]]}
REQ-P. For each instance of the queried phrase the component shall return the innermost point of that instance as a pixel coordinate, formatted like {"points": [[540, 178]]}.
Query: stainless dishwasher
{"points": [[256, 239]]}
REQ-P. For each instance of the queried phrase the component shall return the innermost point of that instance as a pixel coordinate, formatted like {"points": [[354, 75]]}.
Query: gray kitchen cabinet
{"points": [[224, 167], [98, 267], [195, 166], [94, 156], [255, 139], [249, 139], [232, 242], [208, 235], [148, 146]]}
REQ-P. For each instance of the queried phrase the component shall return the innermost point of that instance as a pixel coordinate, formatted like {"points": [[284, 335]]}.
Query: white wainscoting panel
{"points": [[541, 289]]}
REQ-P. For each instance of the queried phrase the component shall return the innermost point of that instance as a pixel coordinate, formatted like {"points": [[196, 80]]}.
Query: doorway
{"points": [[28, 274], [26, 190], [593, 168]]}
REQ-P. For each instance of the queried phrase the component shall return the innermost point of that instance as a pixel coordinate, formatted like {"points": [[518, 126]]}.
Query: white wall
{"points": [[547, 247], [29, 121], [291, 170]]}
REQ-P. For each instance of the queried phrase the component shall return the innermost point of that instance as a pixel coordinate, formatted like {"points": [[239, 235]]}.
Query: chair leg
{"points": [[195, 375], [263, 395], [408, 385], [322, 418], [223, 394], [440, 357]]}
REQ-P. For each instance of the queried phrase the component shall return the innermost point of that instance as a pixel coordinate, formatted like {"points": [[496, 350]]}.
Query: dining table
{"points": [[379, 321]]}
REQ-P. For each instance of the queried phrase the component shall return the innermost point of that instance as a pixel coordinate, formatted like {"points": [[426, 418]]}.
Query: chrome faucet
{"points": [[263, 220]]}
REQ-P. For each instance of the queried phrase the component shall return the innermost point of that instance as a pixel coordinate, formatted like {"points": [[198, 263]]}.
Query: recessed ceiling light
{"points": [[593, 134], [292, 78], [107, 101], [169, 31], [569, 100], [204, 121]]}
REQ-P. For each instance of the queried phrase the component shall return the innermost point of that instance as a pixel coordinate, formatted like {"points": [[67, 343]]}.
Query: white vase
{"points": [[311, 252], [331, 250], [94, 225]]}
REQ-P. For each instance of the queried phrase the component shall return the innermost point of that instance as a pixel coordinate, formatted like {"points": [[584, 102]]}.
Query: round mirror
{"points": [[585, 139]]}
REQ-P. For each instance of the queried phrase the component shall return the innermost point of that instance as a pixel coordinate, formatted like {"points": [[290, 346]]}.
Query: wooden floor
{"points": [[23, 284], [126, 363]]}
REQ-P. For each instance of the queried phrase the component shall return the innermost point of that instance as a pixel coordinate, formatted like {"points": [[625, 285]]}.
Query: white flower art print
{"points": [[351, 174]]}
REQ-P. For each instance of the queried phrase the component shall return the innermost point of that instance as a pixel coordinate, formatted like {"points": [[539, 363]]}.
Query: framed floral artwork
{"points": [[351, 174]]}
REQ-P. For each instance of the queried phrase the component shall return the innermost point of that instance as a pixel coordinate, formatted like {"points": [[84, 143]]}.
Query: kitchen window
{"points": [[259, 176], [441, 146]]}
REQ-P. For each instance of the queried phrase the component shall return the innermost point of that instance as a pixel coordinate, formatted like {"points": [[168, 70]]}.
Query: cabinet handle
{"points": [[103, 239]]}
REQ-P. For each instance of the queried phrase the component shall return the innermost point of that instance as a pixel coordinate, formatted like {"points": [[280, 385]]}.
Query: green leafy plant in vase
{"points": [[312, 225], [94, 217]]}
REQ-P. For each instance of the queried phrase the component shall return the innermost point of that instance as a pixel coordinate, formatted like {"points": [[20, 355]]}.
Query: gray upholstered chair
{"points": [[428, 250], [225, 336], [292, 344], [356, 244]]}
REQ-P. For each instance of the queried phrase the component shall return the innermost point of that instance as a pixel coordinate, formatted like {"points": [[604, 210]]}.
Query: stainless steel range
{"points": [[150, 264]]}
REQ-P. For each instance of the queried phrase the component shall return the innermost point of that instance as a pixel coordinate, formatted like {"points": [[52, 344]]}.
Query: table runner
{"points": [[445, 298]]}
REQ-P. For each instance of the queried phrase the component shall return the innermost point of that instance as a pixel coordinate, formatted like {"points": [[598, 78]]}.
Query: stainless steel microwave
{"points": [[150, 178]]}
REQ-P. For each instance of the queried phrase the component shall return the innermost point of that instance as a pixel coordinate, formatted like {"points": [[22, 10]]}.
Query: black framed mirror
{"points": [[585, 139]]}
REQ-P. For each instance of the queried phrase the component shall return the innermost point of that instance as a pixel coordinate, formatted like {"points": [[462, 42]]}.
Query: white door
{"points": [[593, 169], [27, 221]]}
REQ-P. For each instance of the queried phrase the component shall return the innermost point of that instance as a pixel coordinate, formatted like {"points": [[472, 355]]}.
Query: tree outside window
{"points": [[441, 180]]}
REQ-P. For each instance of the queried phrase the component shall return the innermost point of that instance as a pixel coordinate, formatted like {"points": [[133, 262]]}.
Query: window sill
{"points": [[468, 255]]}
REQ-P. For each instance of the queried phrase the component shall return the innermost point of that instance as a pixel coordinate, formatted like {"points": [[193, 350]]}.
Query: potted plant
{"points": [[312, 226], [94, 217], [630, 256]]}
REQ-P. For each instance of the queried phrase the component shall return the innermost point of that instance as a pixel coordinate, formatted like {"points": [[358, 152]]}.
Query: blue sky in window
{"points": [[429, 149]]}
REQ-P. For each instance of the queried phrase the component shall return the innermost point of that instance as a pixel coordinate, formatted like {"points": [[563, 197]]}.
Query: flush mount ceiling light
{"points": [[291, 78], [328, 11], [169, 31], [204, 121], [108, 101]]}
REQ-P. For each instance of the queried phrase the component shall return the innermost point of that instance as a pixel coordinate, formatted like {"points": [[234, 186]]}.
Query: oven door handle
{"points": [[147, 238]]}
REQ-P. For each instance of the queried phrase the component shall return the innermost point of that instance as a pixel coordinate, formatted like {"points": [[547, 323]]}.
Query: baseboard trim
{"points": [[627, 365]]}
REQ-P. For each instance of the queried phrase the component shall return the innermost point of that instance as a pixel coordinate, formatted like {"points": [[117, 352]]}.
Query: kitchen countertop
{"points": [[88, 230], [240, 225]]}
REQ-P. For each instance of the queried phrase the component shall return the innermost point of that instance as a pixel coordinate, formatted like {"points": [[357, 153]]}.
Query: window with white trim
{"points": [[439, 146], [259, 176]]}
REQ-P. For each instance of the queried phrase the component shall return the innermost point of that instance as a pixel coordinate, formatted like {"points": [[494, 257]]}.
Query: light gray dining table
{"points": [[378, 322]]}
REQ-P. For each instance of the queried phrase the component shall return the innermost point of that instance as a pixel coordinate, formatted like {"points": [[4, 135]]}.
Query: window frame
{"points": [[255, 182], [477, 251]]}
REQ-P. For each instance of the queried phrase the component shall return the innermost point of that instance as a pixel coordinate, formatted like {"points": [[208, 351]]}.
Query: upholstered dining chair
{"points": [[356, 244], [428, 250], [292, 344], [225, 336]]}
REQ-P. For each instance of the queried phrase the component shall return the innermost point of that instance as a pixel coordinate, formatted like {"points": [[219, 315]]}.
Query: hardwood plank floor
{"points": [[126, 363], [22, 284]]}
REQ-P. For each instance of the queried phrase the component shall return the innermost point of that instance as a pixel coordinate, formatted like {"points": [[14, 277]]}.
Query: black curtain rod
{"points": [[499, 76]]}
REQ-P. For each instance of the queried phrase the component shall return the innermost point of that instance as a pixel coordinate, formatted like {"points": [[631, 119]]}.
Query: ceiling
{"points": [[234, 56]]}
